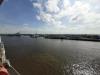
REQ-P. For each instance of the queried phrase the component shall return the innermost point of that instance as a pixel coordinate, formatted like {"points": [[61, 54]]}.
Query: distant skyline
{"points": [[50, 16]]}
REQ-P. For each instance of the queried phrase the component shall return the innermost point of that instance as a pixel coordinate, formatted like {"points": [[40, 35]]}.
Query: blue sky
{"points": [[18, 12], [50, 16]]}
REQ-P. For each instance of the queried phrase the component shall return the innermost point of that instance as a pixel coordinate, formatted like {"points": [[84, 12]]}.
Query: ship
{"points": [[5, 67]]}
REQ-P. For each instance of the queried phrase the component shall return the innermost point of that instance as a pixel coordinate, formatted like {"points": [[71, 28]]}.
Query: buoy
{"points": [[3, 70]]}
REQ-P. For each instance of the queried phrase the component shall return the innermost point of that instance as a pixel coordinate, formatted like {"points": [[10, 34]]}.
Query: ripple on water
{"points": [[83, 68]]}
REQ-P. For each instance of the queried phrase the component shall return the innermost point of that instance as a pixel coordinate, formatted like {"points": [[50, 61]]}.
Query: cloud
{"points": [[52, 6], [37, 5], [25, 28], [64, 16]]}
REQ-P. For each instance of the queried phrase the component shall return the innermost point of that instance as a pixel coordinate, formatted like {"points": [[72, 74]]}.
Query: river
{"points": [[31, 56]]}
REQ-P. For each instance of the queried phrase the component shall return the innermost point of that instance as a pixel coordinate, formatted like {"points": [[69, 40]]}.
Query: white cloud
{"points": [[25, 28], [81, 15], [38, 5], [66, 3], [52, 6], [38, 17]]}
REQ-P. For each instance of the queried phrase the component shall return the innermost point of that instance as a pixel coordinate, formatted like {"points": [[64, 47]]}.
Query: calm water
{"points": [[40, 56]]}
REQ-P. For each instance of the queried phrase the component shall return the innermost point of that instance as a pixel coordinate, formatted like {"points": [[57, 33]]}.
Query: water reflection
{"points": [[51, 57], [83, 68]]}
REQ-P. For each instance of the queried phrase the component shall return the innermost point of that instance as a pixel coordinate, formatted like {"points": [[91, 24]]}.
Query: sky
{"points": [[50, 16]]}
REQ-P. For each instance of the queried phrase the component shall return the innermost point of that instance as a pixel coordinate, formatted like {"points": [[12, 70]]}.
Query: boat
{"points": [[5, 67]]}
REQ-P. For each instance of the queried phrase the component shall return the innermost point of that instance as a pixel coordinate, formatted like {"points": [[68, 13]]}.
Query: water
{"points": [[41, 56]]}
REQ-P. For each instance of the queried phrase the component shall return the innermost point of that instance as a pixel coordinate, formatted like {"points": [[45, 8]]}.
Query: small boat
{"points": [[5, 67]]}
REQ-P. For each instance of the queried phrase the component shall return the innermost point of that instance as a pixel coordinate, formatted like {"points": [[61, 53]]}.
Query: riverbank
{"points": [[83, 37], [75, 37]]}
